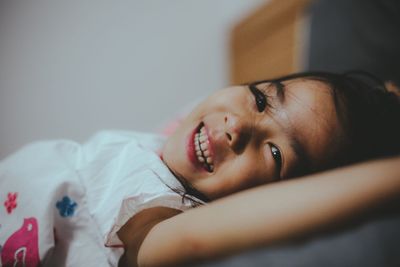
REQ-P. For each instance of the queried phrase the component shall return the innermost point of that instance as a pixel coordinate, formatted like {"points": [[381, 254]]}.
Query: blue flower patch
{"points": [[66, 206]]}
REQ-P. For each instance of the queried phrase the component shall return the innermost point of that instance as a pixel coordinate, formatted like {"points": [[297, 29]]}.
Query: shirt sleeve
{"points": [[135, 204]]}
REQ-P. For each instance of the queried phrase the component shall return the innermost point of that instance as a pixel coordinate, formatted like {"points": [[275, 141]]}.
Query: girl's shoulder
{"points": [[120, 137]]}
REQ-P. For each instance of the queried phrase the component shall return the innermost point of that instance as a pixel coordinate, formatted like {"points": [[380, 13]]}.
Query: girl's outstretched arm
{"points": [[272, 213]]}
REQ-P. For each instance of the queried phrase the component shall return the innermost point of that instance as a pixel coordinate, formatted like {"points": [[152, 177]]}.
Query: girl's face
{"points": [[238, 138]]}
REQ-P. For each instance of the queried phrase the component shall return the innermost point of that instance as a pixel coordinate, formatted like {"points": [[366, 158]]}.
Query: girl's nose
{"points": [[237, 132]]}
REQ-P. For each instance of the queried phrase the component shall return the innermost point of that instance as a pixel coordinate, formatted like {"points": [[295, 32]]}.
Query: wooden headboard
{"points": [[269, 42]]}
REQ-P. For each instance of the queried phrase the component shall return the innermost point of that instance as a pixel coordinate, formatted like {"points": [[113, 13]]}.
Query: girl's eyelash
{"points": [[277, 155], [260, 98]]}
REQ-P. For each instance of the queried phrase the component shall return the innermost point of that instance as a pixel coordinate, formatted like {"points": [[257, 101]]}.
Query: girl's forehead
{"points": [[309, 114], [311, 91], [300, 94], [309, 87], [312, 83]]}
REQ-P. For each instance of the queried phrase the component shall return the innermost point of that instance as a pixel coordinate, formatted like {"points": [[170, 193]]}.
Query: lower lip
{"points": [[191, 151]]}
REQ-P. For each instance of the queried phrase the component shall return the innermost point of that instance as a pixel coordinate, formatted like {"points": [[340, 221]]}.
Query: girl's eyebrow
{"points": [[302, 160], [280, 91]]}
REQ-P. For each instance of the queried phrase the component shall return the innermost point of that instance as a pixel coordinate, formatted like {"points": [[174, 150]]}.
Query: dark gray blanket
{"points": [[375, 243]]}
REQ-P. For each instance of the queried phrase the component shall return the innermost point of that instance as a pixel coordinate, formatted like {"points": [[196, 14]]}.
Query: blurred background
{"points": [[71, 68]]}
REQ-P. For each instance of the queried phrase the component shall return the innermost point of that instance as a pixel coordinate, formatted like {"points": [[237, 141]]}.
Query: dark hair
{"points": [[368, 112], [188, 192], [192, 194]]}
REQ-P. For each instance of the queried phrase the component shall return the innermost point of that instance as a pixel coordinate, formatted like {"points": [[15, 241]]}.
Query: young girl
{"points": [[64, 202]]}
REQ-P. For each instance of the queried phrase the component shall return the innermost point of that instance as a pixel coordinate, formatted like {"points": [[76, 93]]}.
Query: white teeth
{"points": [[201, 149], [203, 146], [203, 138]]}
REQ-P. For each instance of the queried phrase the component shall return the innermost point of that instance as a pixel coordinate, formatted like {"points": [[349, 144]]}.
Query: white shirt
{"points": [[64, 202]]}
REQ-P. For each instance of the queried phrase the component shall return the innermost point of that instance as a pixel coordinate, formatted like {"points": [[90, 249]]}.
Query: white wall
{"points": [[70, 68]]}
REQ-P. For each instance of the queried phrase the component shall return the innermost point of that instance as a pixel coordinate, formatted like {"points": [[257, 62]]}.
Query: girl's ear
{"points": [[392, 87]]}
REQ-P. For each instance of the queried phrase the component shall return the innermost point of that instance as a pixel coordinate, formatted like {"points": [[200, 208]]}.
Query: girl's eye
{"points": [[276, 154], [260, 98]]}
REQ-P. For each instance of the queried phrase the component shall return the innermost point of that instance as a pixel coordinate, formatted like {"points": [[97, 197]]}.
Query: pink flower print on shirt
{"points": [[22, 247], [11, 202]]}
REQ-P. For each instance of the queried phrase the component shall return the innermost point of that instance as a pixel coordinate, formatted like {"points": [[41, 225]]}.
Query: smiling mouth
{"points": [[201, 144]]}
